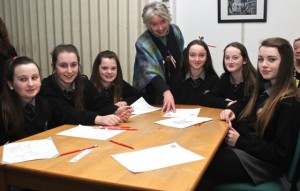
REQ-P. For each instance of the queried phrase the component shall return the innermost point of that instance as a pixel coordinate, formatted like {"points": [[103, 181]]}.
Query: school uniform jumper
{"points": [[64, 106], [268, 157], [222, 89], [129, 93], [191, 92], [39, 122]]}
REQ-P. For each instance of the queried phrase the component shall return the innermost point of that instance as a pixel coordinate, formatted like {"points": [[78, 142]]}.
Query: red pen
{"points": [[119, 128], [78, 150], [122, 144], [123, 113]]}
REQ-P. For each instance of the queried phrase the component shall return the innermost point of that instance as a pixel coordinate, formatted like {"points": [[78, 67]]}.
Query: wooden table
{"points": [[99, 171]]}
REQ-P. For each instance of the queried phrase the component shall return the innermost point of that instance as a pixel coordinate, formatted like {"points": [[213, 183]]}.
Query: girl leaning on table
{"points": [[261, 144], [74, 97], [236, 82], [107, 77], [23, 111]]}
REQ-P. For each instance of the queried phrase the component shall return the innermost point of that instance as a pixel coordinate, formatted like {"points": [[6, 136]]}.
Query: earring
{"points": [[11, 88]]}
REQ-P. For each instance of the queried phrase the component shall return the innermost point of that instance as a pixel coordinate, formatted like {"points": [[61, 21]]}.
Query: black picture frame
{"points": [[240, 11]]}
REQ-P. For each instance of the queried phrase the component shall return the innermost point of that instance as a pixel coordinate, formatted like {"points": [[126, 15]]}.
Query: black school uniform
{"points": [[64, 104], [37, 122], [129, 93], [224, 88], [268, 157], [191, 92]]}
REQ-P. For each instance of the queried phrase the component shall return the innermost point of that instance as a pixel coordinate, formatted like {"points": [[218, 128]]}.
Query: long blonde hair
{"points": [[283, 88]]}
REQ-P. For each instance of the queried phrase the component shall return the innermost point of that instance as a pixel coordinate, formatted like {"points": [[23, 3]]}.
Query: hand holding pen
{"points": [[124, 112]]}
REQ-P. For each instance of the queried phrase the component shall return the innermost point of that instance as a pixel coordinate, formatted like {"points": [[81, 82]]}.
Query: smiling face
{"points": [[26, 81], [66, 68], [233, 59], [158, 25], [197, 57], [108, 71], [268, 63]]}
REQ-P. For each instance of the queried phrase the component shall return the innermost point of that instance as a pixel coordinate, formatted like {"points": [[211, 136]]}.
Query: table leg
{"points": [[3, 182]]}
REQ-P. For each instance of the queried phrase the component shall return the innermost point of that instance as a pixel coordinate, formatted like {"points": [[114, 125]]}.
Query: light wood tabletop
{"points": [[99, 171]]}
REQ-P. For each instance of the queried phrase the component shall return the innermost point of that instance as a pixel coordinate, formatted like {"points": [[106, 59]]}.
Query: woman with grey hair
{"points": [[158, 56]]}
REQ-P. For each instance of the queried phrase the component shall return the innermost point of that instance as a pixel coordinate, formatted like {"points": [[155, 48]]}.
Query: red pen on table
{"points": [[122, 144], [117, 128], [78, 150]]}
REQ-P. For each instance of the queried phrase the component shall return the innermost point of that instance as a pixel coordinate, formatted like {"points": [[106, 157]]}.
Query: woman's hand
{"points": [[121, 103], [169, 103], [227, 115]]}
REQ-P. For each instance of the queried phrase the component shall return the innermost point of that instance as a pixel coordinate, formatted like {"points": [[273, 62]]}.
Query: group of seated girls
{"points": [[263, 106]]}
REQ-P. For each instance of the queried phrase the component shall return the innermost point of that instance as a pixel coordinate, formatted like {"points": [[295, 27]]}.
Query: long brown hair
{"points": [[283, 88], [248, 70], [79, 97], [96, 79]]}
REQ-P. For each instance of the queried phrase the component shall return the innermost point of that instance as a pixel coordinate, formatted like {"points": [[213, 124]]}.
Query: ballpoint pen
{"points": [[78, 150], [122, 144], [117, 128]]}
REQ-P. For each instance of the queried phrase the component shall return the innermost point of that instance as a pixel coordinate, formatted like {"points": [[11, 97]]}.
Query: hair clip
{"points": [[201, 38]]}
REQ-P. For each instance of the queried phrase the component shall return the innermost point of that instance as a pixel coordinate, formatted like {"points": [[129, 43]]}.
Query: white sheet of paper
{"points": [[90, 132], [156, 157], [183, 112], [29, 150], [182, 122], [80, 155], [140, 106]]}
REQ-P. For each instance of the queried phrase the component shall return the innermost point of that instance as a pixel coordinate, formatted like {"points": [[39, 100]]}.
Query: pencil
{"points": [[78, 150], [122, 144], [118, 128]]}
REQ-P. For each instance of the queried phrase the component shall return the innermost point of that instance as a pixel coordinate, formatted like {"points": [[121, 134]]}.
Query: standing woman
{"points": [[23, 111], [262, 145], [74, 97], [158, 56], [197, 75], [7, 51], [237, 81], [297, 62], [107, 77]]}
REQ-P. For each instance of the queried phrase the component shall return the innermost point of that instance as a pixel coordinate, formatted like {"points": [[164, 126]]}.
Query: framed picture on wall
{"points": [[240, 11]]}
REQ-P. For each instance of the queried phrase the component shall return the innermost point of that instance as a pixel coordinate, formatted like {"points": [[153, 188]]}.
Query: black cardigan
{"points": [[185, 93], [129, 93], [64, 108], [41, 122], [223, 89], [277, 146]]}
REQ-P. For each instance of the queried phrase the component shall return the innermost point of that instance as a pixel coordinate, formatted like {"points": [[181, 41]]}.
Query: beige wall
{"points": [[37, 26]]}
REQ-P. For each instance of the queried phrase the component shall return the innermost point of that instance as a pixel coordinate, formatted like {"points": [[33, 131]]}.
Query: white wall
{"points": [[200, 18]]}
